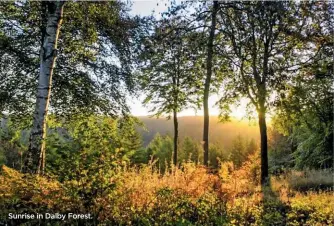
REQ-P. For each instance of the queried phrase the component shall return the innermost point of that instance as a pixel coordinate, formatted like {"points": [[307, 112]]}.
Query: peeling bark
{"points": [[35, 156]]}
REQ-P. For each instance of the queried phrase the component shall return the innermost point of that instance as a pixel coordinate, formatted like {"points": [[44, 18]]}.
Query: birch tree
{"points": [[84, 79], [35, 156]]}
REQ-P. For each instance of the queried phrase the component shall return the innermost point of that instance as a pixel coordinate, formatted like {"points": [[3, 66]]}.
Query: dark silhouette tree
{"points": [[167, 75], [266, 41]]}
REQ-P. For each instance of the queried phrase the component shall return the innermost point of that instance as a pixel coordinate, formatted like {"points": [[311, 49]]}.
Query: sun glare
{"points": [[239, 114]]}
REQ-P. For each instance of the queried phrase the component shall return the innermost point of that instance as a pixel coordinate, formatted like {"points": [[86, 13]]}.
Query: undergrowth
{"points": [[189, 195]]}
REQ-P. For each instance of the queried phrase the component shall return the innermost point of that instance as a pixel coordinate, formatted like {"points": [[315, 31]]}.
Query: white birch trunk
{"points": [[35, 157]]}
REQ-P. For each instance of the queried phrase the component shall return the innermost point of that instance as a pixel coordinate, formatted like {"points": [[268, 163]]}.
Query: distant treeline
{"points": [[221, 134]]}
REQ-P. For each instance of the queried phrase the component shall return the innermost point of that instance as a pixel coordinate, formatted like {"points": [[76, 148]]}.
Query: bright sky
{"points": [[146, 8]]}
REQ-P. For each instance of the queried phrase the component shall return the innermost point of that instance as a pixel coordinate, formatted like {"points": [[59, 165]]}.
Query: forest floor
{"points": [[189, 195]]}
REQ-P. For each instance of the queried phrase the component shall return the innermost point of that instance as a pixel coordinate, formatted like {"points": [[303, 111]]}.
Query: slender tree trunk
{"points": [[207, 83], [176, 136], [264, 144], [35, 156]]}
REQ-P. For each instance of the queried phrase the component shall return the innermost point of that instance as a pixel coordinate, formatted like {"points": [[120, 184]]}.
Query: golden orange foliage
{"points": [[189, 194]]}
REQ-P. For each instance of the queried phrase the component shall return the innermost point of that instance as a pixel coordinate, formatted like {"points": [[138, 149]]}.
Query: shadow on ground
{"points": [[274, 210]]}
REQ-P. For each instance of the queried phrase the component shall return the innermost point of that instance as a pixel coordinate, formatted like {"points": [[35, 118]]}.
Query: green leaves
{"points": [[85, 78], [168, 78], [305, 117], [91, 141]]}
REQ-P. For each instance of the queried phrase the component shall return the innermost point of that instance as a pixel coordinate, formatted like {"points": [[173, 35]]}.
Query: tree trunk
{"points": [[35, 157], [264, 145], [207, 83], [176, 136]]}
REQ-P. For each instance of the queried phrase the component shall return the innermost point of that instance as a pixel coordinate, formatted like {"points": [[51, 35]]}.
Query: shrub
{"points": [[241, 181], [189, 195], [311, 209]]}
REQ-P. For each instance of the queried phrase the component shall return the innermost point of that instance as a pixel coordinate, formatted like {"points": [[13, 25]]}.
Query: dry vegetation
{"points": [[187, 196]]}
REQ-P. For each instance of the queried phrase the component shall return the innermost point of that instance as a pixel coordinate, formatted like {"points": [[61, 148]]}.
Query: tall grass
{"points": [[310, 180]]}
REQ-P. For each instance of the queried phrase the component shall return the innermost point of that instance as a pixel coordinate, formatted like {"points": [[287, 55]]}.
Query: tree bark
{"points": [[35, 156], [176, 136], [264, 144], [207, 83]]}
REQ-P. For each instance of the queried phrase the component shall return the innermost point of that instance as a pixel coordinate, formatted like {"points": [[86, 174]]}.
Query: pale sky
{"points": [[146, 8], [137, 109]]}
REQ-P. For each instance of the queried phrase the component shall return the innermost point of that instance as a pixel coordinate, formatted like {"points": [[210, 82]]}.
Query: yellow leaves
{"points": [[31, 189], [168, 197], [314, 208], [10, 173], [141, 185], [241, 181], [225, 170]]}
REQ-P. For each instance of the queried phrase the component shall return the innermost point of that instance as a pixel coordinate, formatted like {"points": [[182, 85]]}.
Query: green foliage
{"points": [[86, 153], [305, 117], [280, 150], [310, 211], [141, 156], [161, 148], [174, 208], [13, 143], [84, 78], [190, 150], [166, 68], [215, 154], [238, 151], [241, 150], [91, 141], [278, 54]]}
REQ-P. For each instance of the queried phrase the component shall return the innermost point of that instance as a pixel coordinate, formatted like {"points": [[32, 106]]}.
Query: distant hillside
{"points": [[192, 126]]}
